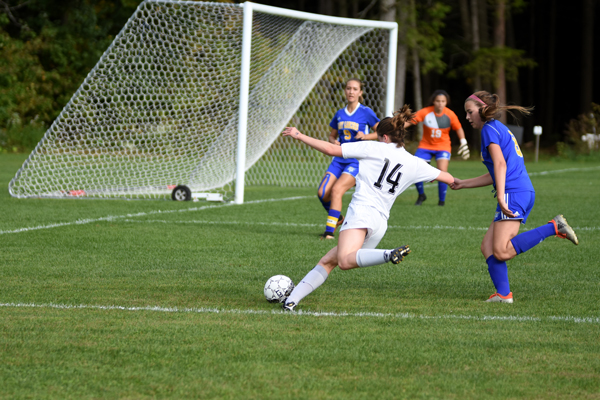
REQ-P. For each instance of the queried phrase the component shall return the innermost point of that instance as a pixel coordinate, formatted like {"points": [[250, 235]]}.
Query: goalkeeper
{"points": [[438, 120]]}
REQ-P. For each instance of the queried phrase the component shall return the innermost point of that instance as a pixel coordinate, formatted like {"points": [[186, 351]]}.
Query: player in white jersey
{"points": [[386, 169]]}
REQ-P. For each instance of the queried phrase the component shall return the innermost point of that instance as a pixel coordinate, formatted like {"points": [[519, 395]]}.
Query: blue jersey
{"points": [[362, 119], [517, 179]]}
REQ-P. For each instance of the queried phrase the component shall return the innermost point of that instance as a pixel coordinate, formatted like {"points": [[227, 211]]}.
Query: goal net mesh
{"points": [[160, 108]]}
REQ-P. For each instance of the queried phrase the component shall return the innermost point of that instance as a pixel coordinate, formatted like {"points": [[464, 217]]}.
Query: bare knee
{"points": [[346, 262], [503, 255], [337, 192]]}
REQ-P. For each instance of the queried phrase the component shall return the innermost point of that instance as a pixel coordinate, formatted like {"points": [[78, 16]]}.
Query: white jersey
{"points": [[384, 172]]}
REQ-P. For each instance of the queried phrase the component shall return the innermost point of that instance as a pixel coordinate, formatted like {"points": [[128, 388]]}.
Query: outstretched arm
{"points": [[483, 180], [445, 177], [324, 147]]}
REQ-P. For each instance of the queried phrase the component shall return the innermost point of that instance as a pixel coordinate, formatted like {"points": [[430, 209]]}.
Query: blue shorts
{"points": [[520, 203], [345, 166], [427, 155]]}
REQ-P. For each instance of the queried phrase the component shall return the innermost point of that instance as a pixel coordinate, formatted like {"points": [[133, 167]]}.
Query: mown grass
{"points": [[114, 299]]}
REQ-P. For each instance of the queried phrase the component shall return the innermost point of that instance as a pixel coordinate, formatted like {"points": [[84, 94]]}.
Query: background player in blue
{"points": [[503, 158], [350, 124]]}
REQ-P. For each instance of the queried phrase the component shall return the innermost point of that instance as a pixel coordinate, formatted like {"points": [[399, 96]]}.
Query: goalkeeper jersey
{"points": [[436, 128]]}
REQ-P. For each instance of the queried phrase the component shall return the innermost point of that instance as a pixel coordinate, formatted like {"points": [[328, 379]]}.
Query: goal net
{"points": [[176, 100]]}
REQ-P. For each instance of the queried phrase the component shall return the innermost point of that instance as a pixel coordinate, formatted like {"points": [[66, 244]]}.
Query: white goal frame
{"points": [[249, 8]]}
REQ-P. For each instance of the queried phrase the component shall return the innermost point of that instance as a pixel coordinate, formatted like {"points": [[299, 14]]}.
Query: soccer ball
{"points": [[278, 288]]}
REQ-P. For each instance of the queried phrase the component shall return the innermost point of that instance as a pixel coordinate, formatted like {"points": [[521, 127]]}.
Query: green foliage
{"points": [[574, 147], [47, 50], [486, 61], [427, 38]]}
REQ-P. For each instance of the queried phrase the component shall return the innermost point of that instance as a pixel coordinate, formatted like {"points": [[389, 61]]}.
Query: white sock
{"points": [[311, 281], [370, 257]]}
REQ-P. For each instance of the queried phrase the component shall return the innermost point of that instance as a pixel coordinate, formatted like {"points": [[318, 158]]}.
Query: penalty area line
{"points": [[203, 310]]}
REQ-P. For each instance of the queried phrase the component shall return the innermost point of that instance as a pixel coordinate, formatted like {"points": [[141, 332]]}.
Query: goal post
{"points": [[195, 95], [249, 7]]}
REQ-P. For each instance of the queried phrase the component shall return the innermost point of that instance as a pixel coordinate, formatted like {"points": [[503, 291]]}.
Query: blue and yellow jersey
{"points": [[362, 119], [517, 178]]}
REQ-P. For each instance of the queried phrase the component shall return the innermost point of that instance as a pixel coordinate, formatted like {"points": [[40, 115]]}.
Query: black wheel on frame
{"points": [[181, 193]]}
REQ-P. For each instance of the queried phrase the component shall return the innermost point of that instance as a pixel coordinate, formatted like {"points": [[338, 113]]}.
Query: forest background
{"points": [[539, 53]]}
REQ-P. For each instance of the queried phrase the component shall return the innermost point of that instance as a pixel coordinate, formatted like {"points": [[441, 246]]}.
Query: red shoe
{"points": [[498, 298]]}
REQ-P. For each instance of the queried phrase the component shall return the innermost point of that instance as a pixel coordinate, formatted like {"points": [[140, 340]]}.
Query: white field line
{"points": [[140, 214], [515, 318], [191, 209]]}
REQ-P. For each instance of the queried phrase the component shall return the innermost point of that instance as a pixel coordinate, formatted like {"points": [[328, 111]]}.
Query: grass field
{"points": [[160, 299]]}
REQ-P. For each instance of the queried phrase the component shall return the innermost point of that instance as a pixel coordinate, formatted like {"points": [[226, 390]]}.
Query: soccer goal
{"points": [[195, 95]]}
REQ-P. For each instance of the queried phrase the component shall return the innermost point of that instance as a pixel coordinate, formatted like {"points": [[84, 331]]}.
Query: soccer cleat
{"points": [[327, 236], [563, 229], [397, 255], [421, 199], [289, 306], [498, 298], [340, 221], [441, 203]]}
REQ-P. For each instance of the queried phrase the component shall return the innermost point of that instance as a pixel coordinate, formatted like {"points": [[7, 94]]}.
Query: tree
{"points": [[587, 73], [499, 43]]}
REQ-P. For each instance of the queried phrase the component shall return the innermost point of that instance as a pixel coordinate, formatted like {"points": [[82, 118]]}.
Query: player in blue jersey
{"points": [[503, 158], [350, 124]]}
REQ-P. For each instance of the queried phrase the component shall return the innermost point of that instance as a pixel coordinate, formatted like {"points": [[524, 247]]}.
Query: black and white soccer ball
{"points": [[278, 288]]}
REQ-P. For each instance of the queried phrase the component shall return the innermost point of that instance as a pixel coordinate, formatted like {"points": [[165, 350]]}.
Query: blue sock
{"points": [[420, 188], [529, 239], [499, 274], [442, 189], [332, 220], [326, 204]]}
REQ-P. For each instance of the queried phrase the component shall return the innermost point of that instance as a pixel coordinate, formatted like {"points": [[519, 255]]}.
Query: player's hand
{"points": [[359, 135], [457, 184], [504, 208], [463, 150], [291, 131]]}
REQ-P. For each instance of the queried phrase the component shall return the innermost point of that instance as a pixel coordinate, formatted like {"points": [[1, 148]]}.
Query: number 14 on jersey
{"points": [[389, 178]]}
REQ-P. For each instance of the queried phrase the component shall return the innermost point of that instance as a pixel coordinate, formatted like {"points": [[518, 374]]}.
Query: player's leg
{"points": [[334, 217], [373, 226], [442, 160], [324, 190], [497, 269], [315, 278], [425, 155]]}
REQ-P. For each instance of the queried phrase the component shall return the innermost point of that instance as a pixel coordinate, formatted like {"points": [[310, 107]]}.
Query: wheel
{"points": [[181, 193]]}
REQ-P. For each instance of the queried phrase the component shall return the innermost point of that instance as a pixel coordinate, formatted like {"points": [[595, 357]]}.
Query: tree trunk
{"points": [[482, 14], [392, 10], [476, 41], [326, 7], [465, 20], [549, 34], [416, 68], [513, 90], [342, 8], [587, 71], [500, 42]]}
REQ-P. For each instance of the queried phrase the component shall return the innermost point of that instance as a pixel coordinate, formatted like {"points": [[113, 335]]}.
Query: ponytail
{"points": [[394, 126], [490, 107]]}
